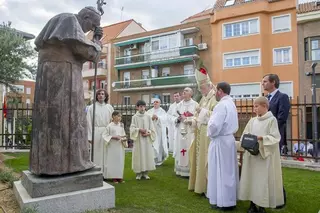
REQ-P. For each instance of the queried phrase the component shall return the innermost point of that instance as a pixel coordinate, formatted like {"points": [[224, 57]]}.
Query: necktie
{"points": [[269, 97]]}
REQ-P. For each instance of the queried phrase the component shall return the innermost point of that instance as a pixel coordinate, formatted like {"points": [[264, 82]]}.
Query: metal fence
{"points": [[15, 130]]}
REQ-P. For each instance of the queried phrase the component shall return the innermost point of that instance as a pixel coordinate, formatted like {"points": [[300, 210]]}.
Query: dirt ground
{"points": [[8, 203]]}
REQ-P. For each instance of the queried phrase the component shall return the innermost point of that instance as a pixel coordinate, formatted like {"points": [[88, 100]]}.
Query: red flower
{"points": [[202, 70]]}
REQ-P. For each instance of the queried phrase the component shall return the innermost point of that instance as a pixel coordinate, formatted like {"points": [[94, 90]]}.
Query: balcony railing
{"points": [[154, 82], [158, 55]]}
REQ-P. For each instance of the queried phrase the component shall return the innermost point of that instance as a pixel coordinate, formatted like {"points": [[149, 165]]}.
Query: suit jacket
{"points": [[280, 107]]}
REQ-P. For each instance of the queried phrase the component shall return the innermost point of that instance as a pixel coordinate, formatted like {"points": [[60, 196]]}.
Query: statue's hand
{"points": [[98, 33]]}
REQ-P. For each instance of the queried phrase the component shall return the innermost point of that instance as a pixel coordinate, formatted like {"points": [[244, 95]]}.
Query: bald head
{"points": [[187, 93]]}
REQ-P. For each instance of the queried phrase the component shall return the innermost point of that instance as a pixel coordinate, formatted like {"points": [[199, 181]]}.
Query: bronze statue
{"points": [[59, 135]]}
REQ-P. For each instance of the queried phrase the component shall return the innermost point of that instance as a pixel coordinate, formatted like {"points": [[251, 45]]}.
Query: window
{"points": [[126, 79], [28, 90], [312, 48], [241, 59], [188, 69], [229, 3], [102, 84], [146, 76], [28, 101], [245, 91], [164, 42], [286, 87], [281, 23], [126, 100], [166, 98], [282, 55], [146, 98], [242, 28], [102, 64], [188, 41], [166, 71]]}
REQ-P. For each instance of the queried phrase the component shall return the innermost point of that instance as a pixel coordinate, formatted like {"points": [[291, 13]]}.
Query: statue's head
{"points": [[89, 18]]}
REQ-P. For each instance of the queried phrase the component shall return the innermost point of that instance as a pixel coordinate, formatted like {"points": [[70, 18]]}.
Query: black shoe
{"points": [[215, 207], [229, 208], [253, 208], [262, 210]]}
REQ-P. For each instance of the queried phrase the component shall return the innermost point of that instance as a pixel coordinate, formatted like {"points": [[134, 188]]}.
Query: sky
{"points": [[31, 15]]}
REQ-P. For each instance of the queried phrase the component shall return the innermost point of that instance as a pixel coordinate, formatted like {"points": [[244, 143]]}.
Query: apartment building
{"points": [[22, 92], [110, 32], [252, 38], [308, 19], [159, 63]]}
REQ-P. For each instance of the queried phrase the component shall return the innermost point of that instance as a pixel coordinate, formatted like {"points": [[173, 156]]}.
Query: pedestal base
{"points": [[72, 202]]}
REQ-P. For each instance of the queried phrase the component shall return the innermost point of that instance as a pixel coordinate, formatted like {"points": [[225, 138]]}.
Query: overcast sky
{"points": [[31, 15]]}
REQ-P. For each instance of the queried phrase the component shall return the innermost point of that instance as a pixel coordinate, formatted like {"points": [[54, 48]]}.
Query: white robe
{"points": [[222, 155], [142, 152], [115, 154], [102, 119], [183, 143], [172, 130], [161, 143], [261, 175]]}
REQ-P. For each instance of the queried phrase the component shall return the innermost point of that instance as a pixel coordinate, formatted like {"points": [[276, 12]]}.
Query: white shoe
{"points": [[138, 177], [146, 177]]}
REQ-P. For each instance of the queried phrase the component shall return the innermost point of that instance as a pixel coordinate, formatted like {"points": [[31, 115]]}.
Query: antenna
{"points": [[121, 12]]}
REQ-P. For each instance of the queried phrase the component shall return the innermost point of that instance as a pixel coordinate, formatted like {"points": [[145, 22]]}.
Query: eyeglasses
{"points": [[156, 102]]}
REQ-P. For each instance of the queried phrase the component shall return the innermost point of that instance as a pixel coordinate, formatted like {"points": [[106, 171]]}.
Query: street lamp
{"points": [[314, 108]]}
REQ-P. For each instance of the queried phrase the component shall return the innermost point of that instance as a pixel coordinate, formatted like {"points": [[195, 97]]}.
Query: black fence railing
{"points": [[15, 129]]}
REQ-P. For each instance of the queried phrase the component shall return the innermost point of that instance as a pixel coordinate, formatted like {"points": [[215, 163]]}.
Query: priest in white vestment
{"points": [[160, 122], [115, 141], [261, 175], [143, 134], [172, 116], [222, 155], [103, 115], [185, 132]]}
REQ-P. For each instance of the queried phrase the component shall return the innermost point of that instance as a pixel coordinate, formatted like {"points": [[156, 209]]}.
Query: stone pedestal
{"points": [[65, 194]]}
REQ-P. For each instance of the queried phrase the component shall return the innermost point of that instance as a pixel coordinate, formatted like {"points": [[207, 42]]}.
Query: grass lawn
{"points": [[167, 193]]}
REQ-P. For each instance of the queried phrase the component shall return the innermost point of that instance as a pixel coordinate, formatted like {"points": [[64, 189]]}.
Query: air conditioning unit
{"points": [[133, 46], [203, 46]]}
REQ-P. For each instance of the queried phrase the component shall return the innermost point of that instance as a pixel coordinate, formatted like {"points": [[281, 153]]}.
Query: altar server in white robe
{"points": [[185, 132], [222, 155], [103, 116], [115, 141], [261, 175], [143, 134], [172, 116], [160, 121]]}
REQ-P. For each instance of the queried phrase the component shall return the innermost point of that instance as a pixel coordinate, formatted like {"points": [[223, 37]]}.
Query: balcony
{"points": [[155, 83], [170, 56]]}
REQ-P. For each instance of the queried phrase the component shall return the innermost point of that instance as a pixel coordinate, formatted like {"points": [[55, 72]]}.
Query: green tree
{"points": [[15, 56]]}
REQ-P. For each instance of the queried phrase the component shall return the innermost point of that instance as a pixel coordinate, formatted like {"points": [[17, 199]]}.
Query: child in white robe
{"points": [[115, 140], [261, 175], [143, 134]]}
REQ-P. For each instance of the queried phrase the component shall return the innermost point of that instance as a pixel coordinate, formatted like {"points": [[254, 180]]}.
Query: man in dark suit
{"points": [[279, 105]]}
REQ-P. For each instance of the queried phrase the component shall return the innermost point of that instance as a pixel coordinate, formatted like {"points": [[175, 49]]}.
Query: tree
{"points": [[15, 56]]}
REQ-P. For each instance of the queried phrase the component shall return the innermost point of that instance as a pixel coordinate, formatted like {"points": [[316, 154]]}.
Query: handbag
{"points": [[250, 143]]}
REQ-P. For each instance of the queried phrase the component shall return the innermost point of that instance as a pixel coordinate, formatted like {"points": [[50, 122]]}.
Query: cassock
{"points": [[184, 137], [102, 119], [114, 151], [222, 156], [161, 143], [172, 130], [198, 152], [59, 127], [261, 175], [142, 152]]}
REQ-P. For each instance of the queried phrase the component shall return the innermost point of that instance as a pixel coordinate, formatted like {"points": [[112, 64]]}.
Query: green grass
{"points": [[19, 163], [167, 193]]}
